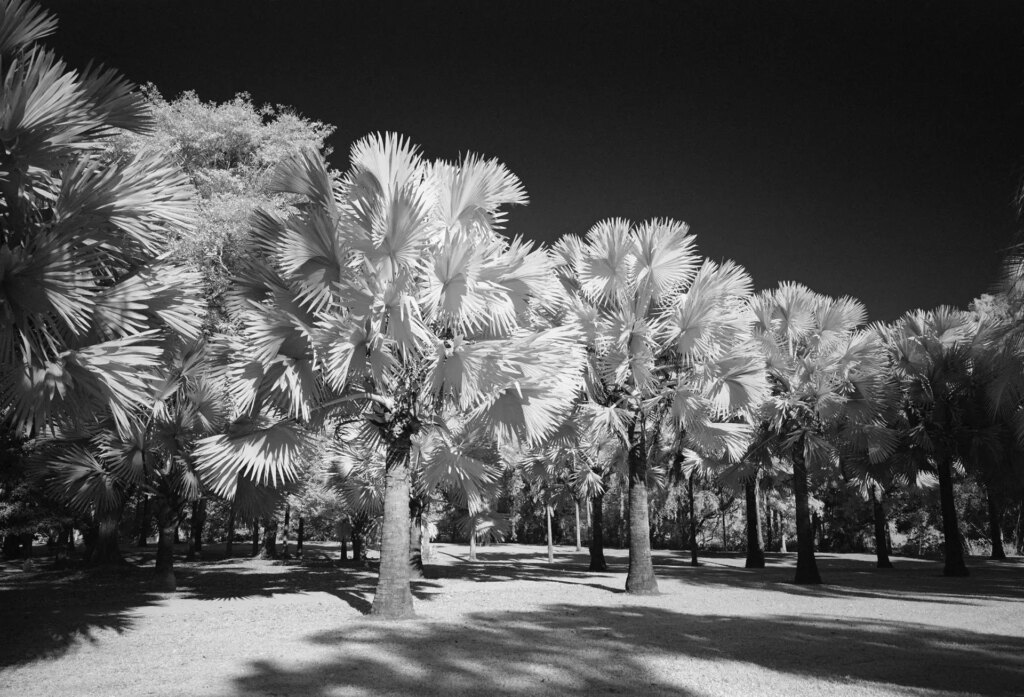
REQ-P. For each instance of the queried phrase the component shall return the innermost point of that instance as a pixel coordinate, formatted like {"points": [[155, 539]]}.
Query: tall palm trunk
{"points": [[881, 539], [640, 579], [597, 561], [806, 566], [255, 537], [579, 542], [950, 526], [551, 546], [105, 547], [229, 547], [142, 522], [167, 523], [393, 598], [426, 553], [693, 520], [755, 545], [268, 550], [300, 537], [994, 531], [472, 542], [196, 533]]}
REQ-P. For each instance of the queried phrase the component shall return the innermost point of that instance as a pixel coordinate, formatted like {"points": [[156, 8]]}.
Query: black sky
{"points": [[869, 149]]}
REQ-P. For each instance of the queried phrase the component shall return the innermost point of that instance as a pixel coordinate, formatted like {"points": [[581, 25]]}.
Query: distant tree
{"points": [[666, 333]]}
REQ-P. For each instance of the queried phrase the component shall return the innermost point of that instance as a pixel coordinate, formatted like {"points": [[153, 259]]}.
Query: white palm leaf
{"points": [[264, 451], [23, 23], [454, 462], [75, 476], [605, 271], [471, 193], [125, 455], [526, 272], [711, 314], [793, 311], [666, 260], [736, 382], [47, 291], [145, 198], [305, 174], [164, 295]]}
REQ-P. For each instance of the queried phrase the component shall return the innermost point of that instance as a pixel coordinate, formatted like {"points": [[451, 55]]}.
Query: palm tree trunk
{"points": [[755, 545], [105, 549], [167, 523], [640, 579], [142, 523], [255, 537], [415, 540], [950, 526], [597, 561], [301, 535], [472, 541], [393, 598], [995, 533], [881, 543], [229, 547], [286, 529], [693, 520], [806, 566], [551, 548], [195, 547], [579, 544], [268, 549], [426, 553]]}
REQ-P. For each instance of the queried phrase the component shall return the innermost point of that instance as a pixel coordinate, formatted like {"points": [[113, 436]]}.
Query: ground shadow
{"points": [[569, 650], [45, 613]]}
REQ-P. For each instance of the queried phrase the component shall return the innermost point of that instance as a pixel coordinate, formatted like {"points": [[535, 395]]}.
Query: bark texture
{"points": [[994, 531], [393, 598], [881, 539], [106, 548], [806, 566], [950, 525], [755, 545], [597, 560], [167, 522], [693, 520], [640, 579]]}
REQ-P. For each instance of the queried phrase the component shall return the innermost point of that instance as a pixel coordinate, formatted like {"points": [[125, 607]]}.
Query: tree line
{"points": [[197, 308]]}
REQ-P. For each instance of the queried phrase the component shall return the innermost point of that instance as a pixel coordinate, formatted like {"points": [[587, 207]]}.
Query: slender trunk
{"points": [[255, 537], [806, 566], [415, 541], [268, 550], [229, 547], [579, 544], [343, 555], [755, 545], [551, 547], [782, 533], [881, 543], [994, 528], [167, 523], [597, 561], [640, 579], [198, 521], [301, 537], [393, 598], [286, 528], [426, 553], [105, 549], [142, 522], [950, 526], [725, 537], [472, 541], [693, 520], [357, 544]]}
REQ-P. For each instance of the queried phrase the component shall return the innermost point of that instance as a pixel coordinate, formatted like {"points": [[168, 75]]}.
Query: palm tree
{"points": [[389, 295], [826, 372], [950, 375], [665, 333]]}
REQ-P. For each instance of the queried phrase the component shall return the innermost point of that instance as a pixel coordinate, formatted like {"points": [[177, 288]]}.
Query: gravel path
{"points": [[514, 625]]}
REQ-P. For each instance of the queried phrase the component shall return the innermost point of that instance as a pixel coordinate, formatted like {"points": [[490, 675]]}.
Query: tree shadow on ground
{"points": [[47, 612], [569, 650], [43, 614], [912, 580]]}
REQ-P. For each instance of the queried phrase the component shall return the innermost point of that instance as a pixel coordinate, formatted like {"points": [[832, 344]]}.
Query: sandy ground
{"points": [[513, 625]]}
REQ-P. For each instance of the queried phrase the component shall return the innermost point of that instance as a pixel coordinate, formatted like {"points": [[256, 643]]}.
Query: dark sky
{"points": [[868, 149]]}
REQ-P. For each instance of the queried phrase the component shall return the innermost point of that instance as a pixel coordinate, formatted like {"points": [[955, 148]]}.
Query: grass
{"points": [[512, 624]]}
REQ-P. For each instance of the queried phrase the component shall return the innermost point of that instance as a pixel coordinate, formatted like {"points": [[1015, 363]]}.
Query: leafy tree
{"points": [[826, 373], [390, 296], [665, 334]]}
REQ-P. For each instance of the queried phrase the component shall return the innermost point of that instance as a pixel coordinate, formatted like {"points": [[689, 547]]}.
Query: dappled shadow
{"points": [[851, 576], [352, 584], [45, 613], [572, 650]]}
